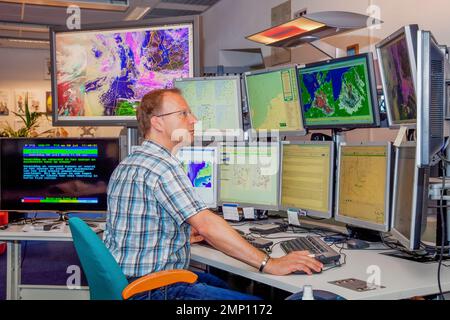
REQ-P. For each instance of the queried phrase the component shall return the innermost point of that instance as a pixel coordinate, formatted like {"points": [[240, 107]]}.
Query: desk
{"points": [[15, 290], [401, 278]]}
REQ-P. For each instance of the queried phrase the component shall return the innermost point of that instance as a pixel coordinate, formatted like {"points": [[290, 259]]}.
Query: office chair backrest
{"points": [[105, 278]]}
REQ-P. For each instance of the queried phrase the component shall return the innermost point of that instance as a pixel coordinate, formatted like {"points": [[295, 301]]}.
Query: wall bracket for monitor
{"points": [[312, 27]]}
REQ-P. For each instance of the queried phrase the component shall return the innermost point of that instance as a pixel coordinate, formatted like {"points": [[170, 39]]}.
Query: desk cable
{"points": [[443, 233]]}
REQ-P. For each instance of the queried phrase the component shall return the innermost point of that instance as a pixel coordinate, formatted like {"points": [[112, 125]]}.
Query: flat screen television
{"points": [[101, 73]]}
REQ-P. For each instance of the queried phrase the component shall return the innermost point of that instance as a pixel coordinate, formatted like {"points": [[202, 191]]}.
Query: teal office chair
{"points": [[105, 278]]}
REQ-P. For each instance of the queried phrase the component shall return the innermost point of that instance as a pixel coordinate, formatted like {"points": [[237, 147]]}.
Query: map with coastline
{"points": [[336, 94], [98, 72], [200, 174]]}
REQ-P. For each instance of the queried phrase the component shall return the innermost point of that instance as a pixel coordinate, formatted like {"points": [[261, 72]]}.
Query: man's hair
{"points": [[151, 105]]}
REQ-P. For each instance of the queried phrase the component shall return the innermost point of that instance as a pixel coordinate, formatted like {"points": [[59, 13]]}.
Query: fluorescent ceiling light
{"points": [[286, 30], [82, 4], [137, 13], [312, 27], [27, 40], [23, 27]]}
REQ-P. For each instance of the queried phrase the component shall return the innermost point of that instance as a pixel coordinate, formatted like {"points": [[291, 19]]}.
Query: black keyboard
{"points": [[322, 251]]}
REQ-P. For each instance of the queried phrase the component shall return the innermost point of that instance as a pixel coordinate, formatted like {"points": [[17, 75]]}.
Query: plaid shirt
{"points": [[149, 199]]}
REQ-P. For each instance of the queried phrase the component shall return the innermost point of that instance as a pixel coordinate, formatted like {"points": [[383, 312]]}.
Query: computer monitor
{"points": [[56, 174], [217, 104], [101, 73], [273, 103], [249, 175], [409, 197], [339, 93], [307, 177], [363, 187], [397, 58], [200, 164], [430, 98]]}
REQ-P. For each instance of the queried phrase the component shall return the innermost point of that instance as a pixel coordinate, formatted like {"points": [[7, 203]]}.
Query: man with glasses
{"points": [[154, 214]]}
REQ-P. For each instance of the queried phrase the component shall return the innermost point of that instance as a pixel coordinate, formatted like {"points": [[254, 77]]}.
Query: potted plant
{"points": [[30, 121]]}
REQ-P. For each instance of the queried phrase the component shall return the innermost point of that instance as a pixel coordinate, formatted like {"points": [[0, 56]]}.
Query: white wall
{"points": [[227, 23], [430, 15], [24, 69]]}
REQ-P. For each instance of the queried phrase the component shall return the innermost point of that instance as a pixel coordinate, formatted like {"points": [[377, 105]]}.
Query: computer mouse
{"points": [[357, 244]]}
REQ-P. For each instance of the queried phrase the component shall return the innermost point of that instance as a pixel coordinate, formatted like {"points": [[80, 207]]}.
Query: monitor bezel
{"points": [[215, 170], [248, 204], [158, 22], [424, 154], [121, 156], [356, 222], [253, 132], [410, 34], [413, 243], [372, 89], [312, 213], [238, 133]]}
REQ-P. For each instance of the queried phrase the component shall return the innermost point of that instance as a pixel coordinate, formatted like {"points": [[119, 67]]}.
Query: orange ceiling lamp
{"points": [[312, 27]]}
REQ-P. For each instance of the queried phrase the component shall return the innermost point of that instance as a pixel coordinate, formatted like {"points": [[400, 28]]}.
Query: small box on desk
{"points": [[232, 212]]}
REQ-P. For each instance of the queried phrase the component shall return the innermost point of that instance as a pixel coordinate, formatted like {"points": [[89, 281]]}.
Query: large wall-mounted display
{"points": [[101, 73]]}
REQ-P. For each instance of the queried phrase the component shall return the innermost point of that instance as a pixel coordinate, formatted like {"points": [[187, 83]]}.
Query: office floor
{"points": [[43, 263]]}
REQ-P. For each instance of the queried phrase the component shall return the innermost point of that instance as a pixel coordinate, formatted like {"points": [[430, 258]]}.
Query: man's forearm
{"points": [[219, 234]]}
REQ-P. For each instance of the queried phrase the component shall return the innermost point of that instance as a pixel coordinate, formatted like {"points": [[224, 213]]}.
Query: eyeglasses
{"points": [[184, 113]]}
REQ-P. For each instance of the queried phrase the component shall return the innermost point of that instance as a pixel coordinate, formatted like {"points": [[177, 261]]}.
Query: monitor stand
{"points": [[363, 234], [321, 137], [416, 256]]}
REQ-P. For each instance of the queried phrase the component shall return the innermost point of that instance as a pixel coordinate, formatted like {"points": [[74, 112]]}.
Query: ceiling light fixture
{"points": [[312, 27], [26, 40], [92, 5]]}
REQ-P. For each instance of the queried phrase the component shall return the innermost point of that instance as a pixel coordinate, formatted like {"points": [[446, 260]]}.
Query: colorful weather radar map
{"points": [[336, 94], [398, 81], [200, 174], [273, 100], [200, 165], [106, 73]]}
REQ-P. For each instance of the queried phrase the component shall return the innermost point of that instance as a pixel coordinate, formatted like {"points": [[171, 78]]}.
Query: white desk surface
{"points": [[16, 232], [401, 278]]}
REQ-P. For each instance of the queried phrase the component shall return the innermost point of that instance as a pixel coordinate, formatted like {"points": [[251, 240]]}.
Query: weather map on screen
{"points": [[273, 100], [215, 102], [200, 174], [105, 73], [336, 93], [399, 90], [200, 165]]}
